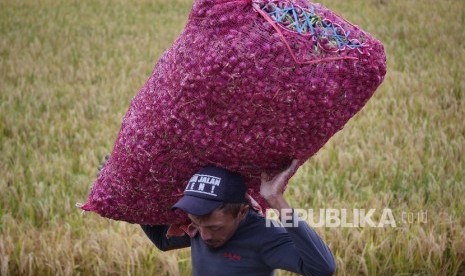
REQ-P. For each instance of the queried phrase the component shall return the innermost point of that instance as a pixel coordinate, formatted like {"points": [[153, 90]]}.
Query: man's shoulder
{"points": [[256, 233], [259, 225]]}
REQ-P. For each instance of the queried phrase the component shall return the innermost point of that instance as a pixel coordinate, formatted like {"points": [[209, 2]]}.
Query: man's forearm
{"points": [[280, 204], [157, 234]]}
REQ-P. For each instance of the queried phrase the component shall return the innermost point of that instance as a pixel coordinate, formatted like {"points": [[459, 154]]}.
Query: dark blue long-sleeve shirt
{"points": [[254, 249]]}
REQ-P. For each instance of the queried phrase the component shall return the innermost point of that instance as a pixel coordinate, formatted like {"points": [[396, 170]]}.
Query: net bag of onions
{"points": [[249, 85]]}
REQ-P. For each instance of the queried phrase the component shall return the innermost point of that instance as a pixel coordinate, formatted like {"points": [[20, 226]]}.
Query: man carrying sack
{"points": [[227, 237]]}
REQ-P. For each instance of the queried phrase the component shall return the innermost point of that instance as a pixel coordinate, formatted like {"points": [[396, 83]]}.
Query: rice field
{"points": [[69, 69]]}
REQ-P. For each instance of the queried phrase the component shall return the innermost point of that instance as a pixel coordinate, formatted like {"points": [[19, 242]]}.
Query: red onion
{"points": [[238, 90]]}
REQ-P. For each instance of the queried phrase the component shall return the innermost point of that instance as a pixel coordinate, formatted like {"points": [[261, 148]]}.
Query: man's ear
{"points": [[243, 210]]}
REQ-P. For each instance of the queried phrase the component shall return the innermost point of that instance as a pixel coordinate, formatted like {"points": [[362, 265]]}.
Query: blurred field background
{"points": [[69, 70]]}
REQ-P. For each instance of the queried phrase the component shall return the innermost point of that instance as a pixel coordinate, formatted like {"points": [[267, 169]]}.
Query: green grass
{"points": [[69, 70]]}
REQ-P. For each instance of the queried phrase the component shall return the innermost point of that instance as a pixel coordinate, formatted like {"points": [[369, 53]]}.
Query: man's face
{"points": [[218, 227]]}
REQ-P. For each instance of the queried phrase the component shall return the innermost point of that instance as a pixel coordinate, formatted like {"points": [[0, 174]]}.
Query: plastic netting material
{"points": [[248, 85]]}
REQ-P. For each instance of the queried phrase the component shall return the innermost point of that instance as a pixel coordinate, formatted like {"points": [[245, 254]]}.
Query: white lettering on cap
{"points": [[204, 182]]}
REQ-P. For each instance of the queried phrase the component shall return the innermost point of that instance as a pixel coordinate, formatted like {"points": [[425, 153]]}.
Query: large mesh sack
{"points": [[248, 86]]}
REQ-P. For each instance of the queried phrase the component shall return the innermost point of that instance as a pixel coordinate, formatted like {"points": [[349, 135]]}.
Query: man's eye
{"points": [[215, 228]]}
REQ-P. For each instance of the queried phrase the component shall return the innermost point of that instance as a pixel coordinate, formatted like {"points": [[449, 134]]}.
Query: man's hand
{"points": [[272, 188]]}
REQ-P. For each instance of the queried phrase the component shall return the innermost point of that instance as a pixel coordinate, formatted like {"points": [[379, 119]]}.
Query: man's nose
{"points": [[205, 234]]}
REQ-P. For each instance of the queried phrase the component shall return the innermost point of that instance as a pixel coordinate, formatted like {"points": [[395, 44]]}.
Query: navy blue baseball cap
{"points": [[209, 188]]}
